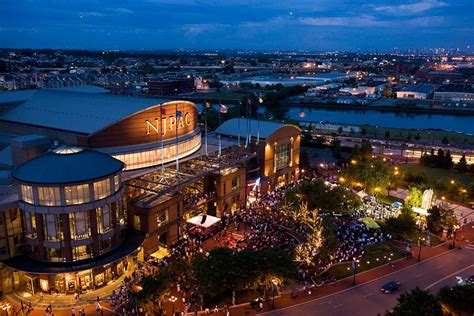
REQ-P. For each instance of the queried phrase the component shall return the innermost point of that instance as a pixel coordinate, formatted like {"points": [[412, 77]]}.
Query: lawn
{"points": [[432, 136], [388, 199], [427, 136], [435, 174], [375, 256]]}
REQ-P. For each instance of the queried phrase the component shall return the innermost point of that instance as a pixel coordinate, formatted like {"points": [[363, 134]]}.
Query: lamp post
{"points": [[463, 193], [354, 268], [173, 299], [455, 230], [273, 281], [420, 244]]}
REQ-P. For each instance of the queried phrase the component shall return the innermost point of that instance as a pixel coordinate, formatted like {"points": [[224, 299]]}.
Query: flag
{"points": [[179, 113], [163, 111], [249, 102], [223, 108], [207, 105], [260, 100]]}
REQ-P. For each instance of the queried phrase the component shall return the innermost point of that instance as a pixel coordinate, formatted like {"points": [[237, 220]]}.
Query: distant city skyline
{"points": [[241, 24]]}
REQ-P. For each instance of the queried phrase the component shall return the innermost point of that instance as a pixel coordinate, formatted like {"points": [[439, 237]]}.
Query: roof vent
{"points": [[66, 150]]}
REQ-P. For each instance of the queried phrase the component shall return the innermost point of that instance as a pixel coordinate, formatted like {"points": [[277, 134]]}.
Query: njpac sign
{"points": [[168, 123]]}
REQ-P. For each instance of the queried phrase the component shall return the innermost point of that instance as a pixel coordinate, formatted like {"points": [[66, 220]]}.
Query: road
{"points": [[366, 299]]}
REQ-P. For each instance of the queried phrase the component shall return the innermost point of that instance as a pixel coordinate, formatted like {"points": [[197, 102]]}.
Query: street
{"points": [[366, 299]]}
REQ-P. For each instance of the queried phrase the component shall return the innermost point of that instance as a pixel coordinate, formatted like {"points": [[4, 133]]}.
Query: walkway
{"points": [[63, 301]]}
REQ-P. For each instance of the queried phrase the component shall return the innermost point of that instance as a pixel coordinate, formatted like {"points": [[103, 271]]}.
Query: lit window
{"points": [[81, 252], [80, 225], [77, 194], [49, 196], [116, 182], [104, 221], [101, 189], [30, 224], [52, 226], [162, 218], [282, 155], [27, 193]]}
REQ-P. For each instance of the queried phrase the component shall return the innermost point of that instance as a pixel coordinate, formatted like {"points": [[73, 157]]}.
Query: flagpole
{"points": [[247, 116], [205, 127], [162, 147], [177, 149], [220, 141], [238, 122]]}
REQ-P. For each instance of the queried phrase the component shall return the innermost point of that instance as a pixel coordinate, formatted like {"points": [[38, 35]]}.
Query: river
{"points": [[449, 122]]}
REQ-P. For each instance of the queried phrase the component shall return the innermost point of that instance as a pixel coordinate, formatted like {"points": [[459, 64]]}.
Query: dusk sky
{"points": [[243, 24]]}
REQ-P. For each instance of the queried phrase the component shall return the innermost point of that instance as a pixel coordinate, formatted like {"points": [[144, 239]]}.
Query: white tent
{"points": [[420, 210], [362, 194], [203, 220]]}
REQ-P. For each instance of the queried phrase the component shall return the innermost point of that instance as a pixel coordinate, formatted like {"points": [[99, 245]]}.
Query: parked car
{"points": [[470, 279]]}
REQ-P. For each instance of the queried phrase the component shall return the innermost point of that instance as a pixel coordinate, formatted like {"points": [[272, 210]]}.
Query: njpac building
{"points": [[91, 183]]}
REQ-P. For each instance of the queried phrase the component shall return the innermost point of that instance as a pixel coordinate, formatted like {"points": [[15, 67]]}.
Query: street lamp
{"points": [[173, 299], [455, 230], [274, 284], [354, 268], [463, 193], [420, 244]]}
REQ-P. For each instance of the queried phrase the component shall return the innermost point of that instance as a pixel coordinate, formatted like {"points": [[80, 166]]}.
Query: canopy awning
{"points": [[361, 194], [397, 204], [420, 210], [204, 220], [369, 222]]}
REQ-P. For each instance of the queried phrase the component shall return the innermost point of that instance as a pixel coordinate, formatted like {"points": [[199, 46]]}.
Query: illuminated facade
{"points": [[74, 221]]}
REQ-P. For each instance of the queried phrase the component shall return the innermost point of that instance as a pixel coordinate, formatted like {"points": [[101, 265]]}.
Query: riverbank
{"points": [[383, 108]]}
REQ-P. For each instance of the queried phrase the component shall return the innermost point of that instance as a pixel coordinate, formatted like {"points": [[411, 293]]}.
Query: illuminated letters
{"points": [[148, 125], [168, 123], [187, 118], [172, 122]]}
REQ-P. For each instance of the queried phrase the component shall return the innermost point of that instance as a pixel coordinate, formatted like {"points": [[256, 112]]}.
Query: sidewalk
{"points": [[66, 301]]}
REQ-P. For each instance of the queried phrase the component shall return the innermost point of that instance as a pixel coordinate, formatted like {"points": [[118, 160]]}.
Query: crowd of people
{"points": [[371, 208]]}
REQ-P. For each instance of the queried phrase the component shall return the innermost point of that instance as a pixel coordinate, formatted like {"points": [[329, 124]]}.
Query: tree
{"points": [[387, 134], [445, 140], [372, 174], [403, 226], [417, 302], [355, 152], [366, 150], [363, 131], [387, 92], [457, 299], [414, 198], [461, 166], [440, 218], [339, 130], [304, 159], [417, 137]]}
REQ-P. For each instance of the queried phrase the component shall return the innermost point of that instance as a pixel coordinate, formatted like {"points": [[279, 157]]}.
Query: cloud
{"points": [[192, 30], [92, 13], [412, 8], [122, 10], [358, 21], [371, 21]]}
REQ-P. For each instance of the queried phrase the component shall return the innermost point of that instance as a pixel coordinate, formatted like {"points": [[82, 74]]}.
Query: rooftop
{"points": [[67, 165], [80, 112], [466, 88], [421, 88], [256, 128]]}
